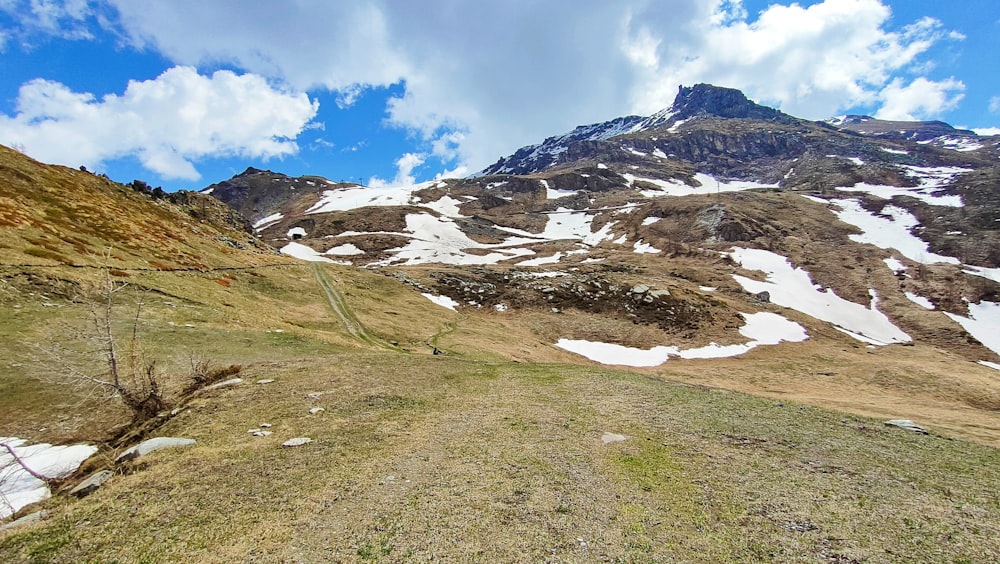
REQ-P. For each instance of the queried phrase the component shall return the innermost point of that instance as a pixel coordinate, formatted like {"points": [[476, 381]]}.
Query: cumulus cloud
{"points": [[920, 99], [404, 172], [167, 122], [483, 78]]}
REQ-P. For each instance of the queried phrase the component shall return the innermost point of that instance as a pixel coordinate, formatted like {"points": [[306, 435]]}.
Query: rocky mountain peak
{"points": [[706, 99]]}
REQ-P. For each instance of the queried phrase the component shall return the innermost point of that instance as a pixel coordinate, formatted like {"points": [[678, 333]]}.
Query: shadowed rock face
{"points": [[702, 99]]}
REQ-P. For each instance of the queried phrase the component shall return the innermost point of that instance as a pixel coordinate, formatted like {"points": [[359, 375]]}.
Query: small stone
{"points": [[608, 438], [91, 484], [253, 431], [265, 381], [262, 433], [297, 441], [265, 425], [908, 425], [640, 289], [313, 395], [315, 410]]}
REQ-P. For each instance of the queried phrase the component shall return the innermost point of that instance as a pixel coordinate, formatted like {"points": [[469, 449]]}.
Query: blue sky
{"points": [[184, 93]]}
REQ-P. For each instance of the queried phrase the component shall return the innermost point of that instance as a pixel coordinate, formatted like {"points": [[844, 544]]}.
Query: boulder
{"points": [[29, 518], [91, 484], [150, 445]]}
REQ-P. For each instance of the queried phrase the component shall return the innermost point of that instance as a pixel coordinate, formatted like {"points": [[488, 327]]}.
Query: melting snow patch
{"points": [[962, 144], [989, 273], [644, 248], [541, 260], [919, 300], [346, 249], [344, 199], [983, 323], [894, 265], [18, 488], [602, 166], [303, 252], [553, 194], [297, 231], [650, 220], [265, 221], [889, 233], [763, 328], [932, 179], [894, 151], [989, 364], [792, 288]]}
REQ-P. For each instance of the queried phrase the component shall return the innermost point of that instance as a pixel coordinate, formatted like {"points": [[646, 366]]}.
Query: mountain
{"points": [[661, 237], [936, 133], [656, 343]]}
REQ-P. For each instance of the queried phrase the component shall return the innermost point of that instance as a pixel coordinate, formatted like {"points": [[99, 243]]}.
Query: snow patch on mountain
{"points": [[263, 222], [344, 199], [303, 252], [983, 323], [931, 181], [890, 230], [792, 287], [762, 328]]}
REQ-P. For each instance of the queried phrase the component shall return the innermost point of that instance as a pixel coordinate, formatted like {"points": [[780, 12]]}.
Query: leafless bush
{"points": [[105, 359]]}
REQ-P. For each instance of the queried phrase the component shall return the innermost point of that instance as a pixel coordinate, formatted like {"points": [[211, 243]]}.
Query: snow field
{"points": [[18, 488], [762, 328]]}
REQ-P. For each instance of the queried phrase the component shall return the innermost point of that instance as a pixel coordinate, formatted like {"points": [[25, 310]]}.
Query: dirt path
{"points": [[340, 308]]}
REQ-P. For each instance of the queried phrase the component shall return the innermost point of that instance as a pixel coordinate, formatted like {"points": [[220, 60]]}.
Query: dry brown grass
{"points": [[419, 458]]}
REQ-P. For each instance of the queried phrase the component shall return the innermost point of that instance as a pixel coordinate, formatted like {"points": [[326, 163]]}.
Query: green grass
{"points": [[419, 457]]}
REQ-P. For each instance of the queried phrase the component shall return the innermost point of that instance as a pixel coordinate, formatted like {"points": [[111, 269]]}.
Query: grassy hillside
{"points": [[423, 457], [502, 448]]}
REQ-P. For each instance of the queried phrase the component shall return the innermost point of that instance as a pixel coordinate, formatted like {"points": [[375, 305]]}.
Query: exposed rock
{"points": [[151, 445], [265, 381], [90, 485], [29, 518], [297, 441], [231, 382], [315, 410], [908, 425], [608, 438]]}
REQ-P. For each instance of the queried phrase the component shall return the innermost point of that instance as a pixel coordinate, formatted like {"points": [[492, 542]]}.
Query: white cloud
{"points": [[920, 99], [60, 18], [167, 122], [505, 74], [986, 131], [995, 104], [404, 172]]}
